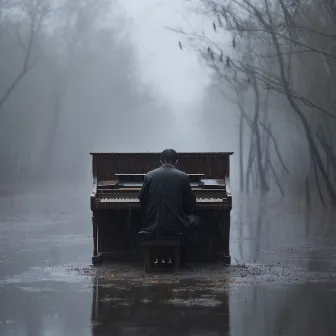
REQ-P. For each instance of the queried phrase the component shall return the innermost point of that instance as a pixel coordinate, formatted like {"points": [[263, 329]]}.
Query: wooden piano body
{"points": [[116, 215]]}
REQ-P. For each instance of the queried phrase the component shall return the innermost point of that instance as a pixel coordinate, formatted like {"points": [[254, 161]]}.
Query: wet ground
{"points": [[282, 281]]}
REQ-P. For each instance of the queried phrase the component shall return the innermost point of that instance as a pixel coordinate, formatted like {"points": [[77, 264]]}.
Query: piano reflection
{"points": [[116, 214], [127, 307]]}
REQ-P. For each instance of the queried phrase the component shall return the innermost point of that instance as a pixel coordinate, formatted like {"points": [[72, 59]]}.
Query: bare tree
{"points": [[35, 12], [272, 37], [236, 76]]}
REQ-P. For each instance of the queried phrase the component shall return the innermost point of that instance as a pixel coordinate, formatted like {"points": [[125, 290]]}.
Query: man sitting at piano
{"points": [[167, 201]]}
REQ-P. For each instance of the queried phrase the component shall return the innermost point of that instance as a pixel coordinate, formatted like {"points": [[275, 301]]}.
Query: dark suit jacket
{"points": [[166, 199]]}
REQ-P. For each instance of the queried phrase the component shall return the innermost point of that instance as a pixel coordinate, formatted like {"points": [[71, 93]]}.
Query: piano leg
{"points": [[227, 224], [95, 258]]}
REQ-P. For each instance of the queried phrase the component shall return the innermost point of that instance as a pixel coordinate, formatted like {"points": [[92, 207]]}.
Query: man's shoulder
{"points": [[161, 169], [152, 172], [182, 173]]}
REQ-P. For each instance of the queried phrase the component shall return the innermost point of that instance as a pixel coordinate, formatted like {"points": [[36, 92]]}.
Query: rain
{"points": [[256, 78]]}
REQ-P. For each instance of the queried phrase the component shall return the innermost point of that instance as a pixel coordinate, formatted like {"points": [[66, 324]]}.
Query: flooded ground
{"points": [[282, 281]]}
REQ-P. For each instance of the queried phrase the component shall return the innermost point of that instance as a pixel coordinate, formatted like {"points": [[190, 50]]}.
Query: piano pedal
{"points": [[163, 261], [156, 261], [170, 261]]}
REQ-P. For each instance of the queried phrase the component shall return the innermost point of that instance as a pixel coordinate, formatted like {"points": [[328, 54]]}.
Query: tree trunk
{"points": [[312, 145], [241, 150], [261, 173]]}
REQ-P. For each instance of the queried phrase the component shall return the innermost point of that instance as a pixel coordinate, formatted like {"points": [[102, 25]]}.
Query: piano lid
{"points": [[159, 153]]}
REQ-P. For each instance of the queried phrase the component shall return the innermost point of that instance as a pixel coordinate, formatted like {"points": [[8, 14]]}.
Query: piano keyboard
{"points": [[135, 200]]}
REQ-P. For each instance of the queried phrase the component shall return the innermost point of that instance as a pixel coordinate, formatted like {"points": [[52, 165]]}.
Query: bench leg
{"points": [[147, 259], [177, 258]]}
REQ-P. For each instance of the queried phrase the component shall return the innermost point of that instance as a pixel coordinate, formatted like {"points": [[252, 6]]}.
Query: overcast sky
{"points": [[176, 75]]}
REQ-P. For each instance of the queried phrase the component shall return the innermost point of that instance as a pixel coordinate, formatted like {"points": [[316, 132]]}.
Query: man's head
{"points": [[169, 156]]}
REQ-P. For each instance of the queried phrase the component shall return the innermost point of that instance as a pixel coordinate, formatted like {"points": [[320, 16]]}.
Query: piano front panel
{"points": [[118, 228]]}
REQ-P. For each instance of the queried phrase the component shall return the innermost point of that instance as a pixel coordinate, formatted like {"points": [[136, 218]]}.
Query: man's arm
{"points": [[143, 196], [189, 198]]}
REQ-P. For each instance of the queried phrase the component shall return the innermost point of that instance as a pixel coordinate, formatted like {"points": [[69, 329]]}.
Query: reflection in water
{"points": [[45, 309], [291, 310], [272, 230], [178, 308], [162, 308], [40, 234]]}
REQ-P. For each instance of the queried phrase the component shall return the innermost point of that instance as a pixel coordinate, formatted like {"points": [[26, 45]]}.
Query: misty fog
{"points": [[80, 91], [78, 76], [85, 89]]}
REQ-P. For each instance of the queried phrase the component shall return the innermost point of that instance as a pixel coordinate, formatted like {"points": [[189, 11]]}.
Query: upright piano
{"points": [[116, 214]]}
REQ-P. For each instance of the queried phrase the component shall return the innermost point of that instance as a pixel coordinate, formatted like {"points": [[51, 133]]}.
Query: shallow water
{"points": [[282, 280]]}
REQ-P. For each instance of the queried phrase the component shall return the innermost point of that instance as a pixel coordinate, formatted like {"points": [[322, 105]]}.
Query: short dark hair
{"points": [[169, 156]]}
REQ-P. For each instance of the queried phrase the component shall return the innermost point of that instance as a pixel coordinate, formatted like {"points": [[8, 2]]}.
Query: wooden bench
{"points": [[161, 253]]}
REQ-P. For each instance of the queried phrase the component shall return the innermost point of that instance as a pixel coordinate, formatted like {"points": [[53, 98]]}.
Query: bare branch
{"points": [[317, 182], [36, 13], [275, 146], [276, 178]]}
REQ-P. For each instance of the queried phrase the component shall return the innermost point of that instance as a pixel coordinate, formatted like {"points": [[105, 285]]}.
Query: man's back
{"points": [[166, 199]]}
